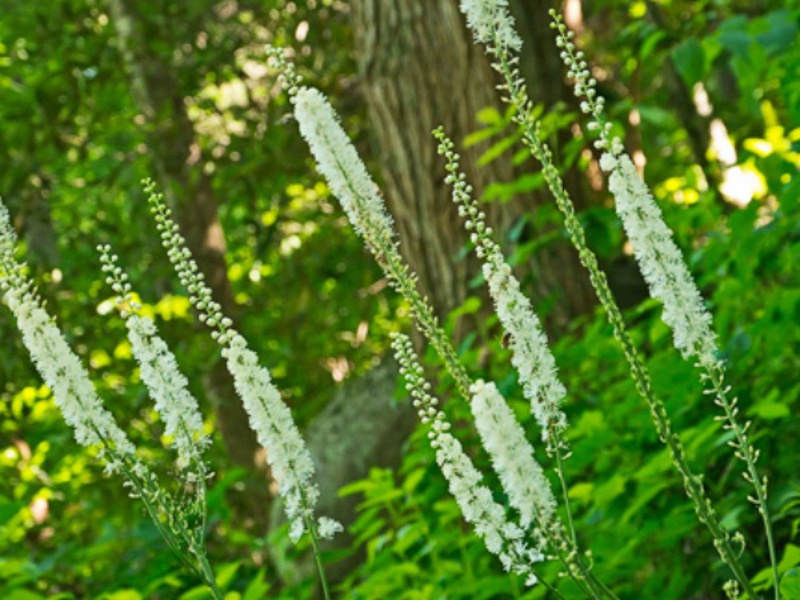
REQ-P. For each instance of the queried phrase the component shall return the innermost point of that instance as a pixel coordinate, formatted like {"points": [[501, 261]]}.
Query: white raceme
{"points": [[491, 23], [531, 354], [58, 365], [488, 518], [271, 420], [169, 389], [340, 163], [64, 374], [660, 260], [504, 439]]}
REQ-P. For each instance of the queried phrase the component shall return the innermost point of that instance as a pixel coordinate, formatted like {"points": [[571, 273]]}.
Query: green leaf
{"points": [[123, 595], [200, 592], [689, 60], [650, 44], [790, 585], [497, 150], [489, 116], [770, 408], [226, 573], [608, 490], [258, 587], [20, 594]]}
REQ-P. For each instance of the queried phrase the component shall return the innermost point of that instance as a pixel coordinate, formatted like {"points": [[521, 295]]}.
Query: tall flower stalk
{"points": [[94, 426], [491, 22], [666, 273], [270, 418], [159, 371], [347, 176], [531, 355]]}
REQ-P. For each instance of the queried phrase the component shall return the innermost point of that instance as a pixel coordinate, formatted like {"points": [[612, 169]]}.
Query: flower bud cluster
{"points": [[210, 311], [488, 518], [287, 75], [585, 86]]}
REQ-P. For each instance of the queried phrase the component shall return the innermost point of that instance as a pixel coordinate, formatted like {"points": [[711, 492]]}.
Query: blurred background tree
{"points": [[95, 95]]}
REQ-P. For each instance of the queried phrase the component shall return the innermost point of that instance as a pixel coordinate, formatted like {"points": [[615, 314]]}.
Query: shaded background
{"points": [[96, 95]]}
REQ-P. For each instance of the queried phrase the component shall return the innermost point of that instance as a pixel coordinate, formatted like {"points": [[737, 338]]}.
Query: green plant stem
{"points": [[173, 541], [573, 538], [560, 473], [385, 250], [550, 587], [208, 572], [745, 452], [318, 557], [518, 98]]}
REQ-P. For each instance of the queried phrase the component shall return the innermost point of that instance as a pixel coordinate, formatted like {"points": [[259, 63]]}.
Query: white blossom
{"points": [[522, 477], [488, 518], [64, 374], [531, 354], [491, 23], [169, 389], [271, 420], [58, 365], [661, 261], [327, 528], [340, 163]]}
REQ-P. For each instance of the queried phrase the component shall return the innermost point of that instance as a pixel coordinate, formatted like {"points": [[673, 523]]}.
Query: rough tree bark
{"points": [[188, 189], [419, 68]]}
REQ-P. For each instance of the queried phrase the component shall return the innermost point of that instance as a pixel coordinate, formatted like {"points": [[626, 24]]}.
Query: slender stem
{"points": [[208, 572], [745, 451], [599, 583], [317, 557], [566, 553], [550, 587], [560, 473], [573, 538]]}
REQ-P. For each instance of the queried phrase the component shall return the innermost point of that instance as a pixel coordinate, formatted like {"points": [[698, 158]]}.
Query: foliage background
{"points": [[72, 150]]}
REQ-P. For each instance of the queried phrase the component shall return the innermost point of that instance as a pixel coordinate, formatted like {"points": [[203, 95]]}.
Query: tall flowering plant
{"points": [[179, 518], [662, 266]]}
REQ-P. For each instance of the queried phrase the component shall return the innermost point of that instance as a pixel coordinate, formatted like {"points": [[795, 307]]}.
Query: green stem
{"points": [[560, 473], [567, 555], [317, 557], [745, 452], [208, 573], [573, 537]]}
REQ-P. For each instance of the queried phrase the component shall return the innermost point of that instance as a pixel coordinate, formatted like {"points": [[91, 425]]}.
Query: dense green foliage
{"points": [[73, 147]]}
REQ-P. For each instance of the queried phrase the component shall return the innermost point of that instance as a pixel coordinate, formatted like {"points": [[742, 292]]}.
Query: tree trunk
{"points": [[188, 190], [419, 68]]}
